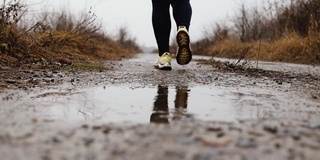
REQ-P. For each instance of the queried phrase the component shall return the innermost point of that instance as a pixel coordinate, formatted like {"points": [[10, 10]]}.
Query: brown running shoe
{"points": [[184, 53]]}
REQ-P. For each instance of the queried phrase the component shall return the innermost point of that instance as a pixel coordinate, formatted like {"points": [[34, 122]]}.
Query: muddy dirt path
{"points": [[133, 111]]}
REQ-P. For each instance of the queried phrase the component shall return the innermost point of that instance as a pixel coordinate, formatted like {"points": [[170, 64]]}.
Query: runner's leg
{"points": [[182, 12], [161, 24]]}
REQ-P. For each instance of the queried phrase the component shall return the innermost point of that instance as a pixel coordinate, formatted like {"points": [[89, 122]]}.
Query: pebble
{"points": [[203, 156], [214, 129], [247, 144], [271, 128], [315, 125], [212, 141], [310, 144], [10, 81], [175, 154], [88, 141], [48, 80]]}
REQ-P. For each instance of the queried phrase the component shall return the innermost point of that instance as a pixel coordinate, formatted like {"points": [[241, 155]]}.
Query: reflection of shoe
{"points": [[182, 94], [159, 118], [163, 62], [184, 54]]}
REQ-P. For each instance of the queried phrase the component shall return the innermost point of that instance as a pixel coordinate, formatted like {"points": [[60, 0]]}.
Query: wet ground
{"points": [[133, 111]]}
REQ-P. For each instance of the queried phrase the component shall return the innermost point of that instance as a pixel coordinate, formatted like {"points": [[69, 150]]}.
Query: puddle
{"points": [[161, 104]]}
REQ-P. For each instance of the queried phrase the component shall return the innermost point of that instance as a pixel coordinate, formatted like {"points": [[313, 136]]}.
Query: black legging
{"points": [[162, 23]]}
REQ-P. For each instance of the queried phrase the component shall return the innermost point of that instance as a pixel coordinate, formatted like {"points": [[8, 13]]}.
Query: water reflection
{"points": [[161, 104], [161, 111]]}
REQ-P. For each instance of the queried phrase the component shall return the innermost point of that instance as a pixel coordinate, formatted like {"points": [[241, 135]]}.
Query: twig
{"points": [[245, 51], [259, 49]]}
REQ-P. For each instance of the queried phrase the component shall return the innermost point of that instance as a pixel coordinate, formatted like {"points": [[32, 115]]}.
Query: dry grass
{"points": [[291, 48], [286, 31], [58, 37]]}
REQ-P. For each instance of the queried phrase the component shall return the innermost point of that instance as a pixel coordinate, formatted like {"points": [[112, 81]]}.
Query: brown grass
{"points": [[290, 48], [286, 31], [58, 37]]}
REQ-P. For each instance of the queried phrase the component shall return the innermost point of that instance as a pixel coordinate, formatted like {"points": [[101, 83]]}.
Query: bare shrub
{"points": [[291, 25], [59, 36], [126, 41], [244, 25], [301, 16], [212, 36], [275, 19], [10, 39]]}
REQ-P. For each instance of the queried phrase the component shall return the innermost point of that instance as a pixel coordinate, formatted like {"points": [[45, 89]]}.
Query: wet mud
{"points": [[133, 111]]}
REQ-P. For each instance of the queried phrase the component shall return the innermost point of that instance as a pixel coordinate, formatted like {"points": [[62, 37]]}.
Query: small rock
{"points": [[85, 126], [214, 141], [96, 127], [88, 141], [11, 81], [203, 156], [175, 154], [220, 134], [314, 96], [247, 144], [315, 125], [106, 130], [56, 140], [214, 129], [311, 144], [296, 137], [36, 75], [33, 81], [271, 128], [278, 145], [255, 132], [49, 74], [48, 80]]}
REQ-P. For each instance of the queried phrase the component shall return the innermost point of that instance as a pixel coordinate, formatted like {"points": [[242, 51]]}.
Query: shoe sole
{"points": [[163, 67], [184, 54]]}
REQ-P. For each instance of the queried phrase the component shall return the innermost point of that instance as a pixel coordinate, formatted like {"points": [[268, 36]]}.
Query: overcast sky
{"points": [[136, 14]]}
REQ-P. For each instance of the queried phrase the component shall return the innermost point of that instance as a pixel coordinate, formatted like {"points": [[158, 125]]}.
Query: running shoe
{"points": [[163, 62], [184, 54]]}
